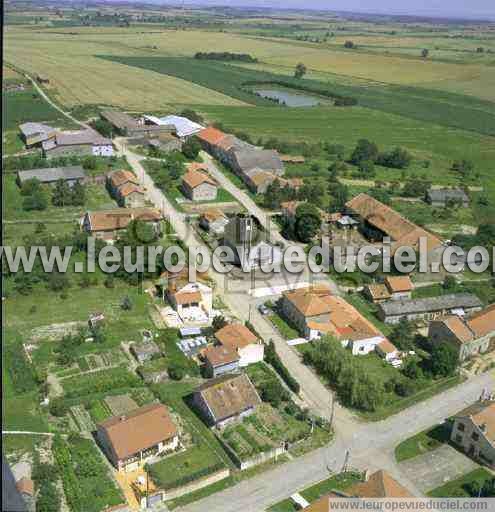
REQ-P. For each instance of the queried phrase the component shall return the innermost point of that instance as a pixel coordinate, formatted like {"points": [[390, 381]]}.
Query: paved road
{"points": [[371, 447]]}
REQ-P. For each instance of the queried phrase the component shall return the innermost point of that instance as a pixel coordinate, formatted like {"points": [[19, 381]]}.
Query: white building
{"points": [[183, 127]]}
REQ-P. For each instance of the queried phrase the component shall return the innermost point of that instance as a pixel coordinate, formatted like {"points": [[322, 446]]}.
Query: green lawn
{"points": [[28, 105], [339, 482], [484, 290], [423, 442], [368, 310], [459, 488], [283, 327]]}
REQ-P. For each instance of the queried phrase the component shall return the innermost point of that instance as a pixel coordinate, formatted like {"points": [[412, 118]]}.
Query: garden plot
{"points": [[103, 360], [55, 332], [82, 418], [120, 404], [263, 431]]}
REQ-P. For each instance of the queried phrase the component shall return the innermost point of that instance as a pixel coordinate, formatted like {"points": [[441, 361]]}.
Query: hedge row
{"points": [[272, 358]]}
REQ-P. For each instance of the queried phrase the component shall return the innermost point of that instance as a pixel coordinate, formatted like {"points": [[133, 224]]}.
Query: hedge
{"points": [[272, 357]]}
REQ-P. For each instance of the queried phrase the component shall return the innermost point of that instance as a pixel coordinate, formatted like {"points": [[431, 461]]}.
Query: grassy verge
{"points": [[460, 488], [423, 442], [283, 327]]}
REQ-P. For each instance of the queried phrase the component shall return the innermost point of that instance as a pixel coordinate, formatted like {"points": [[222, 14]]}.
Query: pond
{"points": [[291, 98]]}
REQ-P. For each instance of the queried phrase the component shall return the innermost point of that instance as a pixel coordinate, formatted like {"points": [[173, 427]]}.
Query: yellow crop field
{"points": [[78, 77], [68, 57]]}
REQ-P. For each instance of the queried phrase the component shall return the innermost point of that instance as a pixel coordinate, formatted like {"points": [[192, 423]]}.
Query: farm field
{"points": [[56, 49], [426, 141]]}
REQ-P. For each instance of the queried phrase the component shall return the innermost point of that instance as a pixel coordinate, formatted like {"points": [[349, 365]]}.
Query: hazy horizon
{"points": [[438, 8]]}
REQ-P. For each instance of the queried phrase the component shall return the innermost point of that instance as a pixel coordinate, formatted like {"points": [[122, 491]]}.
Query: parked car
{"points": [[263, 309]]}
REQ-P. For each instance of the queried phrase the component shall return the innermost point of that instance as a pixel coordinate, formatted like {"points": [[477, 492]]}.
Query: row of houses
{"points": [[256, 166], [55, 143]]}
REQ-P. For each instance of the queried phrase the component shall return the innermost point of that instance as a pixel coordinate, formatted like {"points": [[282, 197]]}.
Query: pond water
{"points": [[291, 99]]}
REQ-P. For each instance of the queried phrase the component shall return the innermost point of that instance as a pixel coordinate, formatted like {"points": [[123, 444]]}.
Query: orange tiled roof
{"points": [[194, 178], [130, 188], [235, 336], [118, 178], [486, 419], [187, 297], [379, 291], [213, 214], [220, 355], [459, 328], [379, 485], [483, 322], [397, 284], [211, 135], [387, 346], [138, 430], [109, 220], [401, 231]]}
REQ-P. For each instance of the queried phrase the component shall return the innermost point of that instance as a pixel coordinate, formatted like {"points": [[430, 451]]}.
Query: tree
{"points": [[444, 360], [36, 201], [349, 44], [126, 303], [402, 336], [399, 158], [103, 127], [450, 283], [62, 195], [300, 70], [367, 169], [365, 150], [411, 369], [191, 148], [90, 162], [339, 195], [308, 222], [78, 194], [335, 150], [218, 323], [29, 187], [176, 371], [424, 53], [464, 167]]}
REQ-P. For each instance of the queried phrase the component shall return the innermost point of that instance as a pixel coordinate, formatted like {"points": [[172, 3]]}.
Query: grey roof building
{"points": [[131, 127], [442, 196], [36, 133], [428, 308], [264, 159], [71, 174]]}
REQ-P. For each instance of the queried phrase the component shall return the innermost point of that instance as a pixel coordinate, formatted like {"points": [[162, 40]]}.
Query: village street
{"points": [[369, 445]]}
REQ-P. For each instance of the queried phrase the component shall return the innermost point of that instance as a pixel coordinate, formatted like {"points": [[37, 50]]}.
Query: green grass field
{"points": [[423, 442], [459, 488], [420, 104], [425, 141]]}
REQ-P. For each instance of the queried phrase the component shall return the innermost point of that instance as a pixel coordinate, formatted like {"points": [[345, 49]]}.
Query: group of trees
{"points": [[272, 358], [36, 161], [225, 56], [366, 155], [300, 70], [36, 196], [464, 168], [44, 477]]}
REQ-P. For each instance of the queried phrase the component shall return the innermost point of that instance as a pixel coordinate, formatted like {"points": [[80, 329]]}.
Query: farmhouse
{"points": [[132, 439], [378, 221], [36, 133], [198, 185], [83, 142], [469, 336], [106, 224], [209, 139], [428, 309], [226, 399], [131, 127], [220, 360], [124, 187], [267, 160], [315, 313], [243, 342], [440, 198], [474, 432], [184, 128], [213, 220], [50, 175], [258, 180]]}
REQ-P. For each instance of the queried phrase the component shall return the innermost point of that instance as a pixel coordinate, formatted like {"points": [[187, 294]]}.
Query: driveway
{"points": [[436, 468]]}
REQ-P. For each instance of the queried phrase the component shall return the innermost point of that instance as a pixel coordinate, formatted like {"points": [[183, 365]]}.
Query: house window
{"points": [[461, 427], [475, 436], [458, 438]]}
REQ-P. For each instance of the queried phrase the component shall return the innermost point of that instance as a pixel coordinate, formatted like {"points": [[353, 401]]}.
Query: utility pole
{"points": [[345, 466]]}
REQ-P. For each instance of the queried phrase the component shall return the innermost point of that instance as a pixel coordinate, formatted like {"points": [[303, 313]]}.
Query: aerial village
{"points": [[254, 402]]}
